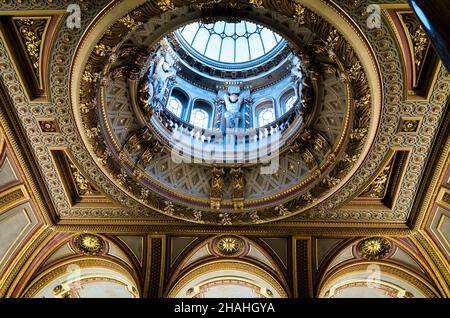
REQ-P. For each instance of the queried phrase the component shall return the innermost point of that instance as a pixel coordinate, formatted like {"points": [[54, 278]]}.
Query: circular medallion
{"points": [[228, 246], [374, 248], [89, 244]]}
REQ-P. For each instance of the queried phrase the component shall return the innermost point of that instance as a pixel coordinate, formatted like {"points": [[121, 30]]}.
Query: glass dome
{"points": [[230, 43]]}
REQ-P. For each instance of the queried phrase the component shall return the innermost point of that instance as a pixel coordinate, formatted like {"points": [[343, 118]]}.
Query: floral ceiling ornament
{"points": [[374, 248], [89, 244], [228, 245]]}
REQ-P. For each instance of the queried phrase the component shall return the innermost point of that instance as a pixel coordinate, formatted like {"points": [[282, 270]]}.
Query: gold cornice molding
{"points": [[13, 196], [32, 13], [294, 228]]}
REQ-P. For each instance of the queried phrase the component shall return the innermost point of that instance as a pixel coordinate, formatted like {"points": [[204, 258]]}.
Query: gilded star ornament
{"points": [[89, 244], [374, 248], [229, 246]]}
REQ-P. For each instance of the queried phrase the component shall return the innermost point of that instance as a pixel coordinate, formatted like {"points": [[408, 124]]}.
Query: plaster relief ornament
{"points": [[297, 77], [228, 245], [374, 248], [164, 70], [89, 244], [233, 101]]}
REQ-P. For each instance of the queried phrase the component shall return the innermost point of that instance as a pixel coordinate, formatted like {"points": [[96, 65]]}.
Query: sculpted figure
{"points": [[233, 102], [163, 71], [297, 77]]}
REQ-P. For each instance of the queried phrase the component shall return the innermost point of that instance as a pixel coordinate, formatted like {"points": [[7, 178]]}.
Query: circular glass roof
{"points": [[230, 43]]}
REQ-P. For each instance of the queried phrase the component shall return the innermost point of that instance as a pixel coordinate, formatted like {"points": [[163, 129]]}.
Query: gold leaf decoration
{"points": [[198, 216], [228, 245], [48, 126], [409, 126], [420, 43], [32, 32], [102, 49], [216, 188], [166, 5], [226, 220], [256, 3], [83, 186], [169, 208], [89, 244], [282, 210], [255, 218], [377, 188], [128, 21], [300, 13], [238, 187], [374, 248]]}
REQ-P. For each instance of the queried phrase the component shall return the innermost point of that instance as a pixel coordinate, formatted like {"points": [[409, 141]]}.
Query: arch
{"points": [[84, 277], [204, 108], [374, 279], [265, 112], [287, 97], [256, 257], [227, 278], [178, 96], [397, 271]]}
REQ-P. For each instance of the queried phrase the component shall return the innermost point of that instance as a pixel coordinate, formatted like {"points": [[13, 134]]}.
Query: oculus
{"points": [[230, 43]]}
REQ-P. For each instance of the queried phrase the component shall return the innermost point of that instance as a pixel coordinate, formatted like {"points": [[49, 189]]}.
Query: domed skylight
{"points": [[231, 43]]}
